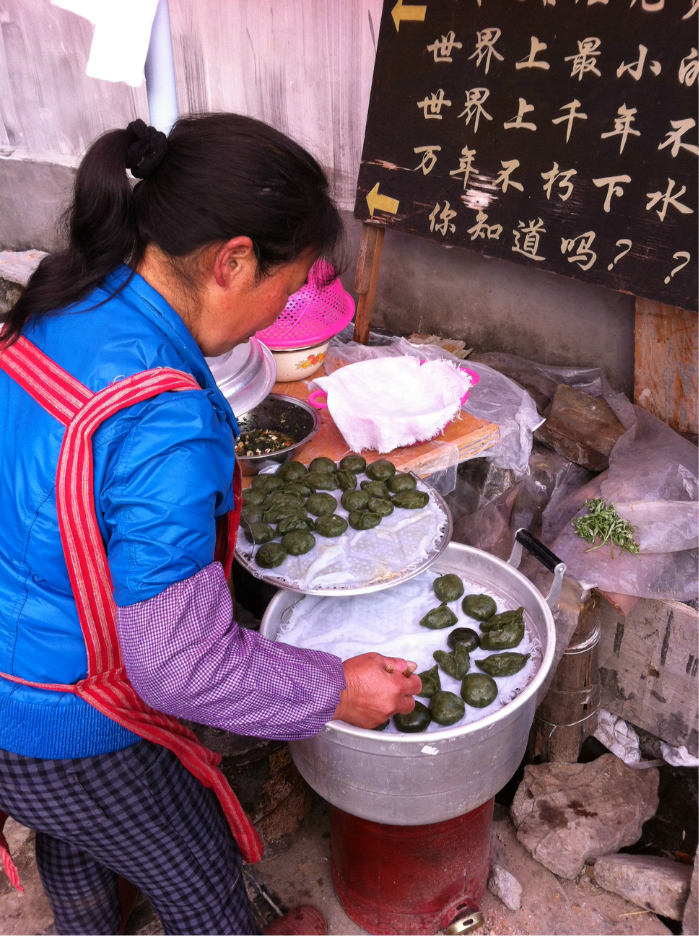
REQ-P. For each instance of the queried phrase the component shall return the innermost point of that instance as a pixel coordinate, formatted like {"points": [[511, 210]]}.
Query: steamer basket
{"points": [[422, 779]]}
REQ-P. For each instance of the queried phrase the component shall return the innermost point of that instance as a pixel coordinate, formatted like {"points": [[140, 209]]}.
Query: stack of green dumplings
{"points": [[296, 504], [498, 632]]}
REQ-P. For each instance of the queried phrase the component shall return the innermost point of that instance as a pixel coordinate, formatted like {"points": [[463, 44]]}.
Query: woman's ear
{"points": [[235, 258]]}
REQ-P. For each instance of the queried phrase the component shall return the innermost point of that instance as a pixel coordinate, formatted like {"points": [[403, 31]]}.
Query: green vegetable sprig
{"points": [[602, 520]]}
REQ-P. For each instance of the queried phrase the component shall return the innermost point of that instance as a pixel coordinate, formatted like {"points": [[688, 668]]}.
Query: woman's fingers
{"points": [[406, 667], [406, 706], [377, 688]]}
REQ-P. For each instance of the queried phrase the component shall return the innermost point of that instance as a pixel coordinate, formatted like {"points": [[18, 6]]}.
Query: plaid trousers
{"points": [[136, 812]]}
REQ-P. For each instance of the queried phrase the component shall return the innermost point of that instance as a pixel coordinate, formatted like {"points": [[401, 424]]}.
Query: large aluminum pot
{"points": [[420, 779]]}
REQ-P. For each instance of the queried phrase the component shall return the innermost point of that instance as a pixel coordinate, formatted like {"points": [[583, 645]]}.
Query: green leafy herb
{"points": [[603, 522]]}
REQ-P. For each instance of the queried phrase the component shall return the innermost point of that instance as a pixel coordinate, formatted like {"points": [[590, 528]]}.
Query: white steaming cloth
{"points": [[387, 622], [401, 542], [387, 403]]}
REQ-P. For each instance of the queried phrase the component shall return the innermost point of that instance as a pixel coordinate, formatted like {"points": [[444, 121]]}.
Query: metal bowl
{"points": [[418, 779], [285, 414]]}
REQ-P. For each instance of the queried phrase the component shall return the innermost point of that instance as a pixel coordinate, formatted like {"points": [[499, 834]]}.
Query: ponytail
{"points": [[102, 233], [217, 176]]}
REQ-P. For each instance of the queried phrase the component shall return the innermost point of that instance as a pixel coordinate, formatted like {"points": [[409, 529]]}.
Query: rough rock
{"points": [[656, 884], [690, 920], [505, 886], [16, 268], [569, 814], [581, 428]]}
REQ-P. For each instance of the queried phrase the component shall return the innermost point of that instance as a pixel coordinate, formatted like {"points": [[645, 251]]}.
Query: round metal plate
{"points": [[245, 375], [367, 587]]}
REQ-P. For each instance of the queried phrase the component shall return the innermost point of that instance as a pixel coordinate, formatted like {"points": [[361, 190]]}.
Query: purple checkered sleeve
{"points": [[185, 655]]}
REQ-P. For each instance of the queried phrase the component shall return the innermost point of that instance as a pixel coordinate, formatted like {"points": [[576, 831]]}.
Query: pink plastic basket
{"points": [[312, 315]]}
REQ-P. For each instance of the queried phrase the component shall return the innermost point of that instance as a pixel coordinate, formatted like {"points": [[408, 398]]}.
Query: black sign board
{"points": [[561, 134]]}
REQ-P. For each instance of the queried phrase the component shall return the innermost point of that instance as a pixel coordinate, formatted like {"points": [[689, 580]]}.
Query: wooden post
{"points": [[665, 365], [366, 278]]}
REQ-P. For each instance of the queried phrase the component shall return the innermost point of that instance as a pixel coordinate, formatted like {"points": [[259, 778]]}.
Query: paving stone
{"points": [[505, 886], [569, 814], [656, 884]]}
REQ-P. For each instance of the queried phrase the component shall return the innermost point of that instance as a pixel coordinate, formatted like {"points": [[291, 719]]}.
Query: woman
{"points": [[119, 518]]}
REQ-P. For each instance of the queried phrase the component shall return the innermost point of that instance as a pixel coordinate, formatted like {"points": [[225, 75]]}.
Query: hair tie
{"points": [[147, 151]]}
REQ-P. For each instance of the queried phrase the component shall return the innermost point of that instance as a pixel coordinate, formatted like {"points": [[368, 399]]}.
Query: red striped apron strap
{"points": [[53, 388], [106, 687], [227, 529], [8, 865]]}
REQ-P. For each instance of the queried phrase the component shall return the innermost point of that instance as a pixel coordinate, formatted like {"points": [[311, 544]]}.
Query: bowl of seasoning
{"points": [[272, 431]]}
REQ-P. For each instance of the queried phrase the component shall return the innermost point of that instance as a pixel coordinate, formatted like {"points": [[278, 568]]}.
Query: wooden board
{"points": [[557, 135], [470, 435], [648, 668], [665, 365]]}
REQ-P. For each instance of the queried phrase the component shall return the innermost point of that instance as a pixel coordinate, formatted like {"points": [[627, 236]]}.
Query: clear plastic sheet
{"points": [[493, 525], [652, 480], [496, 398]]}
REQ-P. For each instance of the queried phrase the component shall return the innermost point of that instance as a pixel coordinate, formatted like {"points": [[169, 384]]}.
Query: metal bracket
{"points": [[465, 922], [515, 555], [555, 593], [546, 558]]}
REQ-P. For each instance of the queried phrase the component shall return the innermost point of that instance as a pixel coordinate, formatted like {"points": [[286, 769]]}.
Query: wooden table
{"points": [[470, 435]]}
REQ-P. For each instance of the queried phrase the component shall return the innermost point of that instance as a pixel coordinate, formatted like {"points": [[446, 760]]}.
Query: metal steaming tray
{"points": [[341, 591]]}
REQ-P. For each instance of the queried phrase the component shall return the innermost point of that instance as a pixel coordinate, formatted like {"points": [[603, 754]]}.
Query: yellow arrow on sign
{"points": [[378, 202], [400, 12]]}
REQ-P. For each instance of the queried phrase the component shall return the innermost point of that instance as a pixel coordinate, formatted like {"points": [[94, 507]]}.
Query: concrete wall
{"points": [[494, 305], [304, 66]]}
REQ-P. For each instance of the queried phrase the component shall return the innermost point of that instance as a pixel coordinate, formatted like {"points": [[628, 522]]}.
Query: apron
{"points": [[106, 686]]}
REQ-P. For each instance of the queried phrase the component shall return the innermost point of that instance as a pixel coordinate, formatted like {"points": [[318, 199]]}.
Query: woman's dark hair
{"points": [[221, 176]]}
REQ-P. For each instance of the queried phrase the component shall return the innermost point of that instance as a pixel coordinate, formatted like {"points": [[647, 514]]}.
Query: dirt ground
{"points": [[301, 874]]}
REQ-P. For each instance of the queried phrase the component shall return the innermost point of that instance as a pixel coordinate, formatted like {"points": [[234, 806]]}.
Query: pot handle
{"points": [[318, 399], [548, 559]]}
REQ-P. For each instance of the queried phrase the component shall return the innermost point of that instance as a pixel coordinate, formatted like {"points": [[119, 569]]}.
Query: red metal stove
{"points": [[410, 879]]}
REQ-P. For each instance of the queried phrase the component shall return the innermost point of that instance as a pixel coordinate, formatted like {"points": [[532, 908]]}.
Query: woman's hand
{"points": [[377, 687]]}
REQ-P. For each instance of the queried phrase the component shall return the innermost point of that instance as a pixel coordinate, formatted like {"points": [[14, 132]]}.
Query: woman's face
{"points": [[232, 301], [237, 302]]}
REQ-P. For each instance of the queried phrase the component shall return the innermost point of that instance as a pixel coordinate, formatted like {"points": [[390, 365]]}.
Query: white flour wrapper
{"points": [[387, 622]]}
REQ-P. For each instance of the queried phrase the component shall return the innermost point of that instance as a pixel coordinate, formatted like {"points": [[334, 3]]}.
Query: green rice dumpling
{"points": [[414, 721], [438, 618], [503, 664], [354, 463], [446, 708], [380, 470], [448, 587], [479, 607]]}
